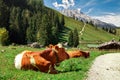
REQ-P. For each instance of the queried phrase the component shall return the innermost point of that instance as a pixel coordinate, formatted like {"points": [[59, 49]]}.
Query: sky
{"points": [[104, 10]]}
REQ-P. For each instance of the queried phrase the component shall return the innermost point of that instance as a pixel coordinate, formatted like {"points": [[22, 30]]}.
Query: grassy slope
{"points": [[90, 33]]}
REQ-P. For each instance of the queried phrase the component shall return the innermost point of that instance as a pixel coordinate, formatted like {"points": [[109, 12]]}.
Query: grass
{"points": [[71, 69], [91, 33]]}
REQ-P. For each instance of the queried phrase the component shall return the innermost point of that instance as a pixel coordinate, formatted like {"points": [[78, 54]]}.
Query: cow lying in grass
{"points": [[78, 53], [43, 61], [75, 53]]}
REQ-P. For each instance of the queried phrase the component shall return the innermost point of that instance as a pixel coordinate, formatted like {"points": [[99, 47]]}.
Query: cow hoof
{"points": [[54, 72]]}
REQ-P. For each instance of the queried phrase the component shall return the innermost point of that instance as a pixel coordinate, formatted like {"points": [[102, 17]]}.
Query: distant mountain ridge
{"points": [[80, 16]]}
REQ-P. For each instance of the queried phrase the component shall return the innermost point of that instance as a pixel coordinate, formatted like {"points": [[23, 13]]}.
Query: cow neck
{"points": [[56, 55]]}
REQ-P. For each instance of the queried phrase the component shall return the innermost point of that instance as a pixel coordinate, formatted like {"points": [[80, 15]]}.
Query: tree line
{"points": [[29, 21]]}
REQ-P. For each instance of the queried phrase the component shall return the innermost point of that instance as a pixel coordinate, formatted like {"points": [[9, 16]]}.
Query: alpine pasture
{"points": [[72, 69]]}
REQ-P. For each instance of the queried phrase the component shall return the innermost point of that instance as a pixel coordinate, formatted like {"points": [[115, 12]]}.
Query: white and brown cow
{"points": [[43, 61]]}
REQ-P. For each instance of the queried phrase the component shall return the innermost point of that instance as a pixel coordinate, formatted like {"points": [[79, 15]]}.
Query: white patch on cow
{"points": [[32, 60], [59, 45], [18, 60]]}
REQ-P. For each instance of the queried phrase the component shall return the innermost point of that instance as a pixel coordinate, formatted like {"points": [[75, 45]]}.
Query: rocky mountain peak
{"points": [[80, 16]]}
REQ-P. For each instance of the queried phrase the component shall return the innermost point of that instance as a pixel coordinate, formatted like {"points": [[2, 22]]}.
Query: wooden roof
{"points": [[110, 45]]}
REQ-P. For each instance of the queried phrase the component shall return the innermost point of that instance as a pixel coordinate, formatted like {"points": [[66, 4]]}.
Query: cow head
{"points": [[85, 54], [60, 52], [79, 53]]}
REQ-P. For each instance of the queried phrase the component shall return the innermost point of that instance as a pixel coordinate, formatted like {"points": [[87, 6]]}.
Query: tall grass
{"points": [[71, 69]]}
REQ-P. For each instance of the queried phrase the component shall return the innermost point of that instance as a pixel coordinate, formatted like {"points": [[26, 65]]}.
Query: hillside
{"points": [[90, 32], [80, 16]]}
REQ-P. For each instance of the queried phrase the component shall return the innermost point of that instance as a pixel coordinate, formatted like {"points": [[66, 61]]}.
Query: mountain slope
{"points": [[90, 32], [77, 15]]}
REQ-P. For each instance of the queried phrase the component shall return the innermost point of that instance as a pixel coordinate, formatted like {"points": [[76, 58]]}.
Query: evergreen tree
{"points": [[62, 20], [38, 26], [70, 39], [25, 23], [31, 31], [57, 22], [75, 38], [4, 15], [15, 25], [110, 30], [18, 25], [45, 31], [35, 5], [55, 38]]}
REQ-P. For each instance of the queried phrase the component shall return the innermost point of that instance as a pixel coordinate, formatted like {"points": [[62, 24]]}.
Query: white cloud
{"points": [[89, 11], [65, 4], [114, 19], [55, 4], [108, 13], [90, 3]]}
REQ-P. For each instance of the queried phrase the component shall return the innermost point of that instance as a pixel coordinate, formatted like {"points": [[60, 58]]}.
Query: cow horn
{"points": [[59, 45]]}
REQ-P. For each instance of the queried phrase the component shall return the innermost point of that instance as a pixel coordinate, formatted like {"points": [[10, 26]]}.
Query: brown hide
{"points": [[78, 53], [44, 61], [61, 53]]}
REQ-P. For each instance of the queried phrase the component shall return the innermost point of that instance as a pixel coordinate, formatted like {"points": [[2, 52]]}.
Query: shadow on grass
{"points": [[76, 70]]}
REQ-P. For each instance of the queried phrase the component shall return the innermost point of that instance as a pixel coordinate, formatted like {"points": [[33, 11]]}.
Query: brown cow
{"points": [[78, 53], [73, 54], [43, 61]]}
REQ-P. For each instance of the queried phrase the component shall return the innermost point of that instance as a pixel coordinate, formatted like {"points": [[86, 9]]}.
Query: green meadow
{"points": [[71, 69]]}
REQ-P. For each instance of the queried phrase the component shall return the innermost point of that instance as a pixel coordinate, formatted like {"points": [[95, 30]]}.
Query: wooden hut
{"points": [[110, 45]]}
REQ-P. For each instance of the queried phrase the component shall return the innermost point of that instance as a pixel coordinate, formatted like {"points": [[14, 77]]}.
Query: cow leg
{"points": [[52, 69], [45, 65]]}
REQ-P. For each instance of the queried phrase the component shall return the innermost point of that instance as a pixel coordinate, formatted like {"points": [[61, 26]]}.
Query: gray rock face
{"points": [[77, 15]]}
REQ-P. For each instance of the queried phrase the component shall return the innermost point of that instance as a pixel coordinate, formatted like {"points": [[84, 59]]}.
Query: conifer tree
{"points": [[16, 25], [55, 33], [75, 38], [45, 31], [31, 31], [62, 20], [70, 39], [57, 22], [4, 15]]}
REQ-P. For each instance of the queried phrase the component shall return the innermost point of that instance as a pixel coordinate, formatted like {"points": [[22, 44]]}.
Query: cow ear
{"points": [[50, 46], [56, 47]]}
